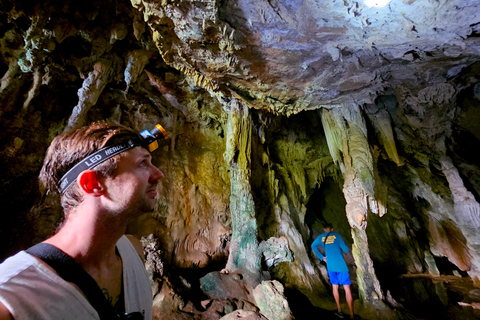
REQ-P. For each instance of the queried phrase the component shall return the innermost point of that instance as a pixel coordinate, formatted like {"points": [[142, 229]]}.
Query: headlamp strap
{"points": [[95, 159]]}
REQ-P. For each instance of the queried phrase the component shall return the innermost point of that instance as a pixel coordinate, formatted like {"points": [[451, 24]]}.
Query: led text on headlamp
{"points": [[147, 139]]}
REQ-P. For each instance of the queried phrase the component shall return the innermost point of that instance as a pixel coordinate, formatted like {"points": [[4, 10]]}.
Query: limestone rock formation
{"points": [[282, 116], [242, 314]]}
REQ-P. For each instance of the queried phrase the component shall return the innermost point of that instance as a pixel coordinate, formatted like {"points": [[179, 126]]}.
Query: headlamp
{"points": [[147, 139], [151, 138]]}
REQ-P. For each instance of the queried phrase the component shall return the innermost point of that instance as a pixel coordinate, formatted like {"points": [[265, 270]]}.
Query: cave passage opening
{"points": [[327, 204]]}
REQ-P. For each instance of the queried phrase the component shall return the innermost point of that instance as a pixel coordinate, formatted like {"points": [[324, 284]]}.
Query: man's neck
{"points": [[89, 238]]}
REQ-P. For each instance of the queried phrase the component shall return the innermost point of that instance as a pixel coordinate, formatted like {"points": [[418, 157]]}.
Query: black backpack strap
{"points": [[73, 272], [326, 237]]}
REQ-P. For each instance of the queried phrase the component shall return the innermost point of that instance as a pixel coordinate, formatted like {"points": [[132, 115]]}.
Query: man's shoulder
{"points": [[16, 271], [15, 264], [333, 238], [337, 235], [333, 234]]}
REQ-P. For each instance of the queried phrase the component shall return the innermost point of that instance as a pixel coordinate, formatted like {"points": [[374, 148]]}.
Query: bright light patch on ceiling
{"points": [[376, 3]]}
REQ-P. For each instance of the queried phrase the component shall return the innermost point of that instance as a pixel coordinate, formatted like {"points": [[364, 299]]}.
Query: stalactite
{"points": [[9, 76], [170, 95], [136, 61], [34, 89], [346, 135], [334, 136], [381, 121], [91, 89], [359, 149]]}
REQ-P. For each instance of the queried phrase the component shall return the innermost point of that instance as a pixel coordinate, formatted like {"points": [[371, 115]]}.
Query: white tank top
{"points": [[31, 290]]}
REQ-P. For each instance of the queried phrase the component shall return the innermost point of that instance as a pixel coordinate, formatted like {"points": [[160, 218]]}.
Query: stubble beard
{"points": [[141, 205]]}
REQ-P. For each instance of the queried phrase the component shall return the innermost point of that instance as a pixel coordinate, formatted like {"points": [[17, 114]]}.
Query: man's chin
{"points": [[148, 206], [152, 204]]}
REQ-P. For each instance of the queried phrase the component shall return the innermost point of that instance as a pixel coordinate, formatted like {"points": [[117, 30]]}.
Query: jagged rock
{"points": [[167, 302], [275, 251], [153, 261], [218, 285], [271, 301]]}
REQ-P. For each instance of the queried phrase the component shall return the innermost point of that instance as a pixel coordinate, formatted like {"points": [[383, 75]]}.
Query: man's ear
{"points": [[88, 181]]}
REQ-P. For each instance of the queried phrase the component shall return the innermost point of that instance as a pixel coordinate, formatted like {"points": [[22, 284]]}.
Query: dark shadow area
{"points": [[435, 298], [190, 290], [327, 204], [303, 309]]}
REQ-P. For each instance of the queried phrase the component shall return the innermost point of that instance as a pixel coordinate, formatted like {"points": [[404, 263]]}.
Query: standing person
{"points": [[105, 178], [336, 266]]}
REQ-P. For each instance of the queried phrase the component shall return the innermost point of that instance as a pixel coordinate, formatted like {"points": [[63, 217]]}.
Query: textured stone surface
{"points": [[242, 314], [276, 251], [271, 301], [292, 56]]}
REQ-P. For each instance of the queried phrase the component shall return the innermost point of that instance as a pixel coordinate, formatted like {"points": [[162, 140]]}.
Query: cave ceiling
{"points": [[283, 56], [290, 56]]}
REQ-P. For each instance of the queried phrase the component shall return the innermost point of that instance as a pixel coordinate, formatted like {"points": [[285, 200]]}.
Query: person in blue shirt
{"points": [[336, 266]]}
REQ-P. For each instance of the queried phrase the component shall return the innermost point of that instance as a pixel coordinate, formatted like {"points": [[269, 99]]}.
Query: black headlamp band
{"points": [[95, 159]]}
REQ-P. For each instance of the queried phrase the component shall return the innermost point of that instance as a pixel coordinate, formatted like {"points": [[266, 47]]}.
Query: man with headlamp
{"points": [[89, 269]]}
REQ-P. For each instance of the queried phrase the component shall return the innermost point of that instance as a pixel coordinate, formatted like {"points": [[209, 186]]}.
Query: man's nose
{"points": [[156, 174]]}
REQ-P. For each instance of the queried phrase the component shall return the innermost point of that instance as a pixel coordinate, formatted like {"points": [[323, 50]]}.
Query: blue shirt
{"points": [[334, 245]]}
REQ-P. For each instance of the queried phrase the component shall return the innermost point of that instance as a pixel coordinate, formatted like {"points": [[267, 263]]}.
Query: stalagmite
{"points": [[369, 287], [467, 209]]}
